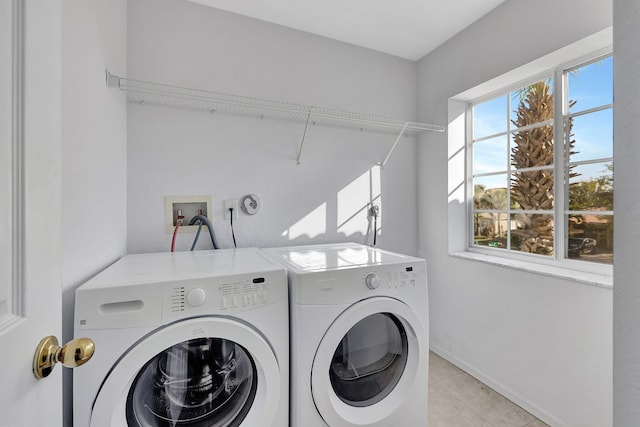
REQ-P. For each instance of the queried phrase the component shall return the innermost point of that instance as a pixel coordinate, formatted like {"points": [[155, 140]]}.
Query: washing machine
{"points": [[185, 339], [359, 327]]}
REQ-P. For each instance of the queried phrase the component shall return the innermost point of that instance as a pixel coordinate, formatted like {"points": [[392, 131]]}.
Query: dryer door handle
{"points": [[73, 354]]}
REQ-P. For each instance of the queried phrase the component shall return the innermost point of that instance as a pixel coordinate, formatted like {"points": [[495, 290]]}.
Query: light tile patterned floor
{"points": [[456, 399]]}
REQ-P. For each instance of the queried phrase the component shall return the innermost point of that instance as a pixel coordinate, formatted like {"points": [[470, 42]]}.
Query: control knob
{"points": [[196, 297], [372, 281]]}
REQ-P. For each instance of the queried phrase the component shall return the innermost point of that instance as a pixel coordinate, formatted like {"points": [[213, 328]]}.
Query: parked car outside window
{"points": [[582, 245]]}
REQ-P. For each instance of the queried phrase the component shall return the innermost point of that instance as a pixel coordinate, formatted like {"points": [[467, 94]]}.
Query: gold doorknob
{"points": [[72, 354]]}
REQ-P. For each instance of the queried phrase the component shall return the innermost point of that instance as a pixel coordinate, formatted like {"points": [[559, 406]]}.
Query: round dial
{"points": [[372, 281], [196, 297]]}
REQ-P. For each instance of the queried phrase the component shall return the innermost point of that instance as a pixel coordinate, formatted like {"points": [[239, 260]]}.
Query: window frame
{"points": [[559, 73]]}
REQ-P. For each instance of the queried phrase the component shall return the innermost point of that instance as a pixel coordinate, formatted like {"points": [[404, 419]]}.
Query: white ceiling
{"points": [[406, 28]]}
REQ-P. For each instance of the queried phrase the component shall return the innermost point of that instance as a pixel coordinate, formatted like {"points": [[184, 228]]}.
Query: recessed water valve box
{"points": [[186, 207]]}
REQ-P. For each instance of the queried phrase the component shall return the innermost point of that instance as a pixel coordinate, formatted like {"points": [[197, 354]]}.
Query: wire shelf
{"points": [[141, 92]]}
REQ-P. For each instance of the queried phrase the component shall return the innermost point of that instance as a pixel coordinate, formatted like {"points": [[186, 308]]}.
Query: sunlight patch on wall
{"points": [[456, 151], [355, 199], [457, 211], [311, 225]]}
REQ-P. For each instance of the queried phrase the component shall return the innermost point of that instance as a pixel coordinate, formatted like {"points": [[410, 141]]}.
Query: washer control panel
{"points": [[207, 296], [244, 293]]}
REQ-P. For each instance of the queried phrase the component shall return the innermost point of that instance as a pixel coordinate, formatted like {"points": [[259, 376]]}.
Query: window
{"points": [[541, 169]]}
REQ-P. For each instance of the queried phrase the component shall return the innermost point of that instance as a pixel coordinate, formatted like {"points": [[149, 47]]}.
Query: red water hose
{"points": [[175, 232]]}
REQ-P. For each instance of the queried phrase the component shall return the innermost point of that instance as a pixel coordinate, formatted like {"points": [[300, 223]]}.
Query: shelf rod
{"points": [[173, 96], [386, 159], [304, 135]]}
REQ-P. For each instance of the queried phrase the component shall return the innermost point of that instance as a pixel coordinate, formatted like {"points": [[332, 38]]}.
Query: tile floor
{"points": [[456, 399]]}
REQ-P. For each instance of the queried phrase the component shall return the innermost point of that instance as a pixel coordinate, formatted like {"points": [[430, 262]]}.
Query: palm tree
{"points": [[489, 199], [533, 189], [478, 203]]}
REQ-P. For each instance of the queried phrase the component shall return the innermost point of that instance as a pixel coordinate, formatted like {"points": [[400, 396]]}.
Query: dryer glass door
{"points": [[369, 360], [200, 382]]}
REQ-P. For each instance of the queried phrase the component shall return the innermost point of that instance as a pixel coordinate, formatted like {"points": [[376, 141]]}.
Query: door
{"points": [[30, 279], [369, 360]]}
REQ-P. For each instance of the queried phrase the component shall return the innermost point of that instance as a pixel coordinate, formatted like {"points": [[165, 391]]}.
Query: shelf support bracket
{"points": [[393, 147], [304, 135], [112, 81]]}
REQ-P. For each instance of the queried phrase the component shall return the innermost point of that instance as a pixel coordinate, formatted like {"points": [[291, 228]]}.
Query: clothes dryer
{"points": [[185, 339], [359, 326]]}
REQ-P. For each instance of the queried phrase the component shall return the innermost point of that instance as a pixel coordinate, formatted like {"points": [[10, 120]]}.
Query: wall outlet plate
{"points": [[231, 204], [190, 207]]}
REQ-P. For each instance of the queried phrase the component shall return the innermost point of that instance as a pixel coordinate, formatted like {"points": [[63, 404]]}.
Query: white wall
{"points": [[93, 149], [626, 301], [181, 152], [544, 342]]}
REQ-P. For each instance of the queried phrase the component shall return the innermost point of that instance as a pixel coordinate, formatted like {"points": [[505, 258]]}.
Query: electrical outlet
{"points": [[189, 206], [231, 204]]}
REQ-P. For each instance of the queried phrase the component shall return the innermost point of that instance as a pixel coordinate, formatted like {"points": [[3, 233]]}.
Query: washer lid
{"points": [[335, 257], [174, 266]]}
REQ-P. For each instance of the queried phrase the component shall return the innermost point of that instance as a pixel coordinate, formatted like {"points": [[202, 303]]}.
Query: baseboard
{"points": [[525, 404]]}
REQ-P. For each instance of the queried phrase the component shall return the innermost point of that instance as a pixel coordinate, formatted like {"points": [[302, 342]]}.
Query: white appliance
{"points": [[359, 325], [186, 338]]}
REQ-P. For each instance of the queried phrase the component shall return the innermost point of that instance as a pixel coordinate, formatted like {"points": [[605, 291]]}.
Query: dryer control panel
{"points": [[330, 287], [400, 278]]}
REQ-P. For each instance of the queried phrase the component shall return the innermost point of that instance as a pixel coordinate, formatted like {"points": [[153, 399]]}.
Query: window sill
{"points": [[589, 278]]}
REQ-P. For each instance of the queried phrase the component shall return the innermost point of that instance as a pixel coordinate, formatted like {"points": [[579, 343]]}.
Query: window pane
{"points": [[490, 192], [532, 104], [490, 117], [532, 233], [490, 229], [590, 238], [591, 86], [592, 136], [532, 148], [591, 187], [490, 155], [532, 190]]}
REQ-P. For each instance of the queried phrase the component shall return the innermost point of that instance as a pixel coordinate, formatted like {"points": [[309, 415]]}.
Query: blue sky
{"points": [[590, 86]]}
